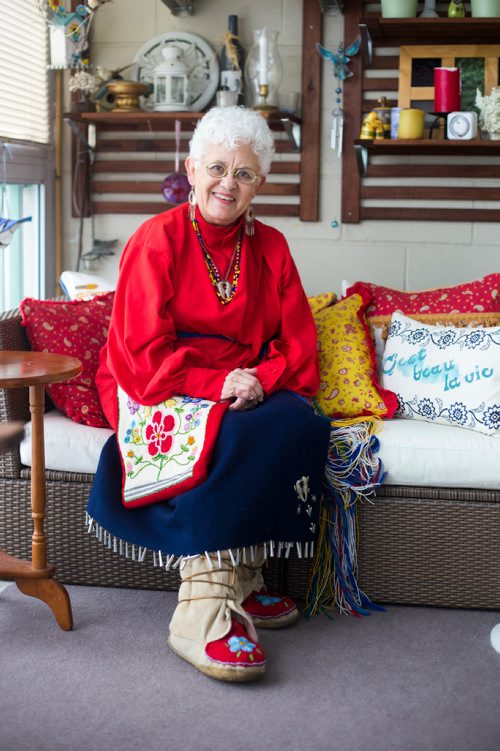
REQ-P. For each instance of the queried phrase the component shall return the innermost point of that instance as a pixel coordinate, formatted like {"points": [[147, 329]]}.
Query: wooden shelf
{"points": [[145, 120], [427, 146], [398, 31], [424, 146]]}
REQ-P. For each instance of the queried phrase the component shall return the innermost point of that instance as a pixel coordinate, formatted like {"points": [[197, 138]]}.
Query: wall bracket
{"points": [[180, 7], [332, 7]]}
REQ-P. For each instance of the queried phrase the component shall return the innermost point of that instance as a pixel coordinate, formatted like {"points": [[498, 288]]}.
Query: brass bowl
{"points": [[127, 94]]}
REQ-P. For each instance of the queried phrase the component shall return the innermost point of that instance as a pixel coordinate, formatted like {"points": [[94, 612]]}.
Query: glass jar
{"points": [[264, 70]]}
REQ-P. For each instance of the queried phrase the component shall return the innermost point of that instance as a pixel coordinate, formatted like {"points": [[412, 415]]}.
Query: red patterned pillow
{"points": [[78, 328], [481, 296]]}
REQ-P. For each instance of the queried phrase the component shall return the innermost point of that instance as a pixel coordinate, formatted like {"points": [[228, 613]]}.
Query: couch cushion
{"points": [[69, 446], [412, 453], [421, 453]]}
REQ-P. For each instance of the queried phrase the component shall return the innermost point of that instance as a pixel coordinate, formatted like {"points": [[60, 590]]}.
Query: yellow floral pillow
{"points": [[321, 301], [349, 386]]}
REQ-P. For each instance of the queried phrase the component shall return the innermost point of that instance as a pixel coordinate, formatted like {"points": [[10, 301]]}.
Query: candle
{"points": [[411, 123], [263, 58], [447, 89]]}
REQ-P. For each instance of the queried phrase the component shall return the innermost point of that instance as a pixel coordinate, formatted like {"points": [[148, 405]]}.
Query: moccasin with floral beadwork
{"points": [[236, 657], [268, 610]]}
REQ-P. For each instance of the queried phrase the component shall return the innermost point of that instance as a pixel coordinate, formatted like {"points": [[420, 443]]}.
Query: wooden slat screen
{"points": [[130, 164]]}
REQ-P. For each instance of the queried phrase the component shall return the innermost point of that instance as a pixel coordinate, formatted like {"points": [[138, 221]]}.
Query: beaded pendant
{"points": [[224, 289]]}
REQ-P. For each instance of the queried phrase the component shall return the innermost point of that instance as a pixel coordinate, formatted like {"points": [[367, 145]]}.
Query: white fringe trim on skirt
{"points": [[158, 558]]}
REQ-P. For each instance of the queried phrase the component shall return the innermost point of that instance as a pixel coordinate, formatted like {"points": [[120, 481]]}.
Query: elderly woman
{"points": [[211, 351]]}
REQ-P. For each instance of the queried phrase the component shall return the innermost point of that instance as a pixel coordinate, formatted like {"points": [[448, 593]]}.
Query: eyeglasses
{"points": [[243, 175]]}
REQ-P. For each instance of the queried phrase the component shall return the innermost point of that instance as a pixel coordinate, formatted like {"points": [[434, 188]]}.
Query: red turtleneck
{"points": [[164, 288]]}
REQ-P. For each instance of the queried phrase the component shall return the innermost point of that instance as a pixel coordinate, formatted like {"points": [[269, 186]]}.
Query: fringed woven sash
{"points": [[165, 449], [352, 474]]}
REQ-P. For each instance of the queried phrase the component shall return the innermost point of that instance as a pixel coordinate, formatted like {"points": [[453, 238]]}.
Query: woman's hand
{"points": [[244, 387]]}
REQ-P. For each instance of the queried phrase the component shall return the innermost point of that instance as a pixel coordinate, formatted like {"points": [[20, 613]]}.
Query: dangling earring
{"points": [[250, 221], [192, 205]]}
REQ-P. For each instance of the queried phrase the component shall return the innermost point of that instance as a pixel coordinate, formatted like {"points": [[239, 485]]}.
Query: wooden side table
{"points": [[36, 577]]}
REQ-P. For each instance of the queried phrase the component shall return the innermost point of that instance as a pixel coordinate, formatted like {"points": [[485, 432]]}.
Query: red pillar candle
{"points": [[446, 89]]}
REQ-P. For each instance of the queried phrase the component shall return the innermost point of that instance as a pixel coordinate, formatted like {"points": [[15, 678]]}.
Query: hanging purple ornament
{"points": [[176, 187]]}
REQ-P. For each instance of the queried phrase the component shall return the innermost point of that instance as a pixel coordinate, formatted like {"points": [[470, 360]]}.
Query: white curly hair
{"points": [[233, 127]]}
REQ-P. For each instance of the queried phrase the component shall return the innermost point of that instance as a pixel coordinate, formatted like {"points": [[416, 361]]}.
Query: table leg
{"points": [[47, 589], [53, 594], [38, 542]]}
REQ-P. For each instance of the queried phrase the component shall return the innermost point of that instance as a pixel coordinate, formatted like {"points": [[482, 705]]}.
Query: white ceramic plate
{"points": [[200, 57]]}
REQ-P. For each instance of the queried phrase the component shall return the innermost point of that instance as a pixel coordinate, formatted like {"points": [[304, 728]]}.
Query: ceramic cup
{"points": [[399, 8], [485, 8], [227, 98], [411, 123]]}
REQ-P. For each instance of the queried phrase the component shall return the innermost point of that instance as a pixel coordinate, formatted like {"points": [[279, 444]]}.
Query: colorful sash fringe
{"points": [[351, 476]]}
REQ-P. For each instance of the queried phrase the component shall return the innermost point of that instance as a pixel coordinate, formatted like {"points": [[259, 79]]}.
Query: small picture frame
{"points": [[479, 65]]}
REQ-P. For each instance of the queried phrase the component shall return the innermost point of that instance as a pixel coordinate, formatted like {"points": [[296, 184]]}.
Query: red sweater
{"points": [[164, 287]]}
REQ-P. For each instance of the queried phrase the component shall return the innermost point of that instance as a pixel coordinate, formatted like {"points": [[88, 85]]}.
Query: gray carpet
{"points": [[409, 679]]}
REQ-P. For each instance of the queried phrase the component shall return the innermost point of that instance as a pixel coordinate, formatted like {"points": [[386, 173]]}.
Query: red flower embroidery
{"points": [[159, 434]]}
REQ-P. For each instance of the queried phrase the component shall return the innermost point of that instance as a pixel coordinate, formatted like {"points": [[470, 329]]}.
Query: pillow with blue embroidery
{"points": [[444, 374]]}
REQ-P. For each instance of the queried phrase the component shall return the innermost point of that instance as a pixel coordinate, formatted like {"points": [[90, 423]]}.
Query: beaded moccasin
{"points": [[268, 610]]}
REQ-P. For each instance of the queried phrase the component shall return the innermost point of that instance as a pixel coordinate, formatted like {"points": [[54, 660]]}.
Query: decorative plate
{"points": [[199, 56]]}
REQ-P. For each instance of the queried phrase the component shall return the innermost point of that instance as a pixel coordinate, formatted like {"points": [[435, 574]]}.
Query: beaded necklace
{"points": [[224, 289]]}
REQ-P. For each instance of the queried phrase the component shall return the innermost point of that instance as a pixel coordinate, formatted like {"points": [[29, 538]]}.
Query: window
{"points": [[24, 83], [27, 265]]}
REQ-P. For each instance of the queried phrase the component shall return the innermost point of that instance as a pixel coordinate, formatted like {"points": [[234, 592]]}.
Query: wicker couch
{"points": [[422, 546]]}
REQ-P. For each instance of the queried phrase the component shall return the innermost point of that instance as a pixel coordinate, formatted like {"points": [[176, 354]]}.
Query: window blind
{"points": [[24, 85]]}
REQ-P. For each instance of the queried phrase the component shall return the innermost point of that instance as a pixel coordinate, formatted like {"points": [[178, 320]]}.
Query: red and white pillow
{"points": [[79, 329], [479, 296]]}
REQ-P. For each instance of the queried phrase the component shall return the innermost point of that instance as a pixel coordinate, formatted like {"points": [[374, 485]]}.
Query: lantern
{"points": [[264, 70], [171, 82]]}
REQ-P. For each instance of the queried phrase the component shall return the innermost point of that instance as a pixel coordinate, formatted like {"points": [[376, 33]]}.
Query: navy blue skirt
{"points": [[264, 484]]}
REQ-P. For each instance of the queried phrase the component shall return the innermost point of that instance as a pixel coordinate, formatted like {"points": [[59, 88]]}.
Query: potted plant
{"points": [[489, 112]]}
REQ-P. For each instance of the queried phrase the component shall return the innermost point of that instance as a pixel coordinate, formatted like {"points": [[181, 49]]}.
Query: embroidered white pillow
{"points": [[444, 374]]}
